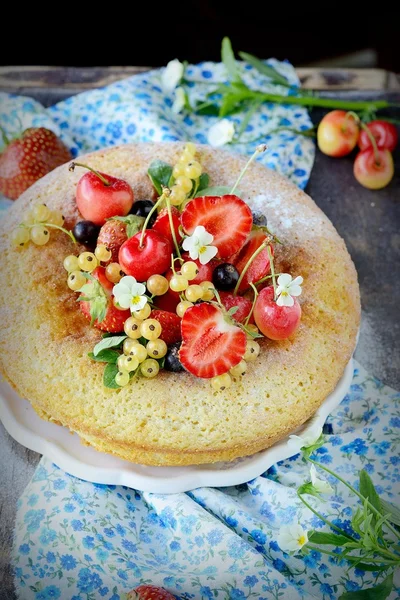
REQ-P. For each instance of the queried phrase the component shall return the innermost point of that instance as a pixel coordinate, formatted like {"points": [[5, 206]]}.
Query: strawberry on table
{"points": [[97, 305], [171, 326], [259, 267], [227, 218], [211, 343], [28, 158], [150, 592]]}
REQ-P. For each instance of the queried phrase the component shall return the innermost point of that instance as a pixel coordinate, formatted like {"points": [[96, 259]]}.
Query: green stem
{"points": [[272, 267], [99, 175], [247, 265], [331, 525], [69, 233], [171, 225], [154, 208], [351, 488], [351, 558], [258, 151], [373, 142], [307, 133], [253, 305], [265, 278], [325, 102], [4, 136]]}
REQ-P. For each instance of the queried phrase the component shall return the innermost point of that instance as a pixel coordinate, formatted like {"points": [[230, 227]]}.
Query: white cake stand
{"points": [[66, 451]]}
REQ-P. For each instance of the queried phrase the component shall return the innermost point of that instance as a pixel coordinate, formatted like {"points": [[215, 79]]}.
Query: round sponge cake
{"points": [[175, 419]]}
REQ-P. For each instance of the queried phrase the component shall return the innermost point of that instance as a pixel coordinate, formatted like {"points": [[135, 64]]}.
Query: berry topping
{"points": [[141, 208], [259, 266], [97, 305], [172, 362], [204, 271], [241, 302], [170, 326], [227, 218], [162, 224], [112, 235], [259, 219], [28, 158], [100, 197], [274, 321], [153, 257], [86, 233], [150, 592], [225, 276], [211, 344]]}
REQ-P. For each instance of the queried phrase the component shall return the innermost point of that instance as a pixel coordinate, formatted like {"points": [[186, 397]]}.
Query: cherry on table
{"points": [[374, 169], [337, 133]]}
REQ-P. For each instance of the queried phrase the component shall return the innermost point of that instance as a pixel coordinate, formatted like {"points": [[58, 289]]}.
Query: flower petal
{"points": [[171, 75], [179, 101], [285, 300], [294, 290], [124, 300], [138, 289], [207, 255], [221, 133], [284, 279], [138, 302], [297, 280]]}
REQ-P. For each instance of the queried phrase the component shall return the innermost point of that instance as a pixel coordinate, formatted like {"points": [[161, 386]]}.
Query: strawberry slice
{"points": [[97, 306], [150, 592], [227, 218], [162, 224], [211, 344], [244, 305], [171, 326], [260, 265]]}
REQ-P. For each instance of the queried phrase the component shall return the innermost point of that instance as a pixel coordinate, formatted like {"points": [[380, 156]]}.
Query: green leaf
{"points": [[247, 117], [367, 489], [217, 190], [366, 566], [228, 58], [108, 342], [134, 224], [204, 180], [265, 69], [160, 174], [109, 376], [233, 310], [207, 108], [379, 592], [332, 539], [390, 509], [108, 356]]}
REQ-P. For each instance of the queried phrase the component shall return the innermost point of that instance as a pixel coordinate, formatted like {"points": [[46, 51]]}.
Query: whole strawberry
{"points": [[28, 158], [116, 231], [150, 592]]}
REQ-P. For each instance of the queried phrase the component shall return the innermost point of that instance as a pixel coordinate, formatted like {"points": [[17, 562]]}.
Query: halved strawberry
{"points": [[211, 344], [113, 235], [149, 592], [171, 325], [97, 306], [205, 271], [162, 224], [244, 305], [227, 218], [260, 265]]}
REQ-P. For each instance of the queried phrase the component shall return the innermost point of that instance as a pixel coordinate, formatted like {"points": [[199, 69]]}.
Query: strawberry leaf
{"points": [[109, 376], [108, 342], [134, 224], [217, 190], [160, 174], [107, 356], [94, 294]]}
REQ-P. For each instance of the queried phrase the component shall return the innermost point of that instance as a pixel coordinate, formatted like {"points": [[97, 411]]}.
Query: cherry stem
{"points": [[69, 233], [4, 136], [265, 278], [253, 305], [272, 267], [259, 150], [154, 208], [99, 175], [247, 265], [373, 142], [171, 223]]}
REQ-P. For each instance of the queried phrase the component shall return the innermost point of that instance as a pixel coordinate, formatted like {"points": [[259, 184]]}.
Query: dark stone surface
{"points": [[369, 223]]}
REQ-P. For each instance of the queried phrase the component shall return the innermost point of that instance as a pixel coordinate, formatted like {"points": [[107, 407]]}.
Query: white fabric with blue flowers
{"points": [[79, 541]]}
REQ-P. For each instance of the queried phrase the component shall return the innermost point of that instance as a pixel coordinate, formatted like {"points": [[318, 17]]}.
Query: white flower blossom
{"points": [[306, 439], [287, 288], [221, 133], [321, 485], [130, 294], [172, 75], [198, 245], [292, 537], [179, 101]]}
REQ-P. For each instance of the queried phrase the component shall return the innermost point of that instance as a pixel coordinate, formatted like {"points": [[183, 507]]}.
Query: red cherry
{"points": [[100, 197], [372, 174], [337, 134], [152, 258], [275, 322], [384, 133]]}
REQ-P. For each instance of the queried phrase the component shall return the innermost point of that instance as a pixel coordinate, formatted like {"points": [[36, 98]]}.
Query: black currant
{"points": [[225, 277], [86, 233], [259, 218], [172, 362], [141, 208]]}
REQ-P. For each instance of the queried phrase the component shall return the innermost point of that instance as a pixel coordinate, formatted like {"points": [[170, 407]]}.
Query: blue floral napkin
{"points": [[79, 541]]}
